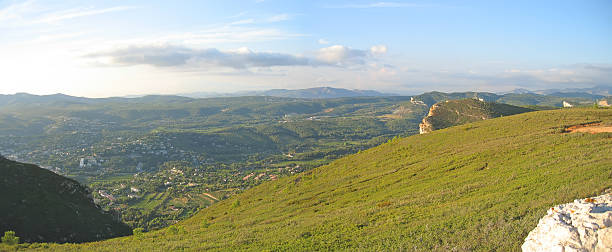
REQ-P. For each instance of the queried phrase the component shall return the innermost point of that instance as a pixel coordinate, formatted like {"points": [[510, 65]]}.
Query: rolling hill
{"points": [[479, 186], [41, 206], [308, 93], [456, 112], [103, 143], [519, 98]]}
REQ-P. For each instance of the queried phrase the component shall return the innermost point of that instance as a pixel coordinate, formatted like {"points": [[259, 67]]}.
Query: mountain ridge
{"points": [[308, 93], [456, 112]]}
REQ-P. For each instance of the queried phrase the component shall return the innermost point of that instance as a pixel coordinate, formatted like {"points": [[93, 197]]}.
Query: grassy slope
{"points": [[457, 112], [480, 186]]}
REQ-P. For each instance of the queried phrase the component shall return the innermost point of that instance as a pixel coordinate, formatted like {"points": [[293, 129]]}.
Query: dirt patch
{"points": [[592, 128]]}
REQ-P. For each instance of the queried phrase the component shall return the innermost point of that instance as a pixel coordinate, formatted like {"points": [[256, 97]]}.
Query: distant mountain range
{"points": [[595, 92], [518, 98], [21, 99], [308, 93], [549, 97], [62, 99]]}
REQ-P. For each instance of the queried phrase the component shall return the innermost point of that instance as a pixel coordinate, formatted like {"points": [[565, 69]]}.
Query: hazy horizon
{"points": [[135, 47], [205, 94]]}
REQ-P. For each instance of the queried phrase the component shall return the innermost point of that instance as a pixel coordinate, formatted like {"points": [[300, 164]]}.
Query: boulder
{"points": [[583, 225]]}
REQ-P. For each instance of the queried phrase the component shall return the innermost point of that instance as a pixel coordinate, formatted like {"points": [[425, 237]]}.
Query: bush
{"points": [[9, 238], [205, 224], [138, 233], [174, 230]]}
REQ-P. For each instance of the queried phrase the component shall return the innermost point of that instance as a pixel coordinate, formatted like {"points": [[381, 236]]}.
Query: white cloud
{"points": [[79, 12], [243, 21], [378, 49], [323, 41], [278, 18], [578, 74], [175, 56], [342, 55], [16, 11], [29, 13], [222, 35], [339, 54], [167, 55]]}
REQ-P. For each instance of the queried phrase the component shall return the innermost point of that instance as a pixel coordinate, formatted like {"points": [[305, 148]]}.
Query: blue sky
{"points": [[123, 47]]}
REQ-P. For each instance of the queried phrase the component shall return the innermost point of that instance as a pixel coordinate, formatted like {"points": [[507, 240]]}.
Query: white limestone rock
{"points": [[584, 225]]}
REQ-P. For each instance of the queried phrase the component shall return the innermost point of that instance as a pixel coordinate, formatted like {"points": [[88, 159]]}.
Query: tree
{"points": [[9, 238]]}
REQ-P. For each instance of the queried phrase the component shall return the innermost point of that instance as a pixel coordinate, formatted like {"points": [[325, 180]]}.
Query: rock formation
{"points": [[456, 112], [584, 225], [425, 126]]}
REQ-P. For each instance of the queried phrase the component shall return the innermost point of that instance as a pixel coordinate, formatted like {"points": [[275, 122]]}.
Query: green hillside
{"points": [[480, 186], [456, 112], [41, 206], [115, 144], [526, 99]]}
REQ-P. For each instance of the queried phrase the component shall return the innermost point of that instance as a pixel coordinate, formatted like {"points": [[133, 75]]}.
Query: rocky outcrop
{"points": [[456, 112], [584, 225], [426, 126]]}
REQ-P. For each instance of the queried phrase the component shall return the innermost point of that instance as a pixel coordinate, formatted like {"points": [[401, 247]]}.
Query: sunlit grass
{"points": [[480, 186]]}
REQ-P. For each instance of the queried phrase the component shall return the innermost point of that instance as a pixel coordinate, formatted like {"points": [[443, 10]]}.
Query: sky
{"points": [[132, 47]]}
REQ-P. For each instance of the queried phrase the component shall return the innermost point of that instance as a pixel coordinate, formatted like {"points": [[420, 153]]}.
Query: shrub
{"points": [[138, 233], [205, 224], [236, 204], [9, 238], [174, 230]]}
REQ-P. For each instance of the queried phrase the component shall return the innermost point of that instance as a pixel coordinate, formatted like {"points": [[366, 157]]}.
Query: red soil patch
{"points": [[592, 128]]}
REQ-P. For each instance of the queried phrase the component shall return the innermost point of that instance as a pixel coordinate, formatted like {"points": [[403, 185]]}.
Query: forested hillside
{"points": [[41, 206]]}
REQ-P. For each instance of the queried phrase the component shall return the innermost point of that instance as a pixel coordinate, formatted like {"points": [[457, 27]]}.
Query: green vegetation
{"points": [[39, 205], [158, 159], [9, 238], [528, 99], [138, 233], [480, 186], [456, 112]]}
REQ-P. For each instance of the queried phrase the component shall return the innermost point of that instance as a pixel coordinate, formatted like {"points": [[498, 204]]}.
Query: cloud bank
{"points": [[242, 58]]}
